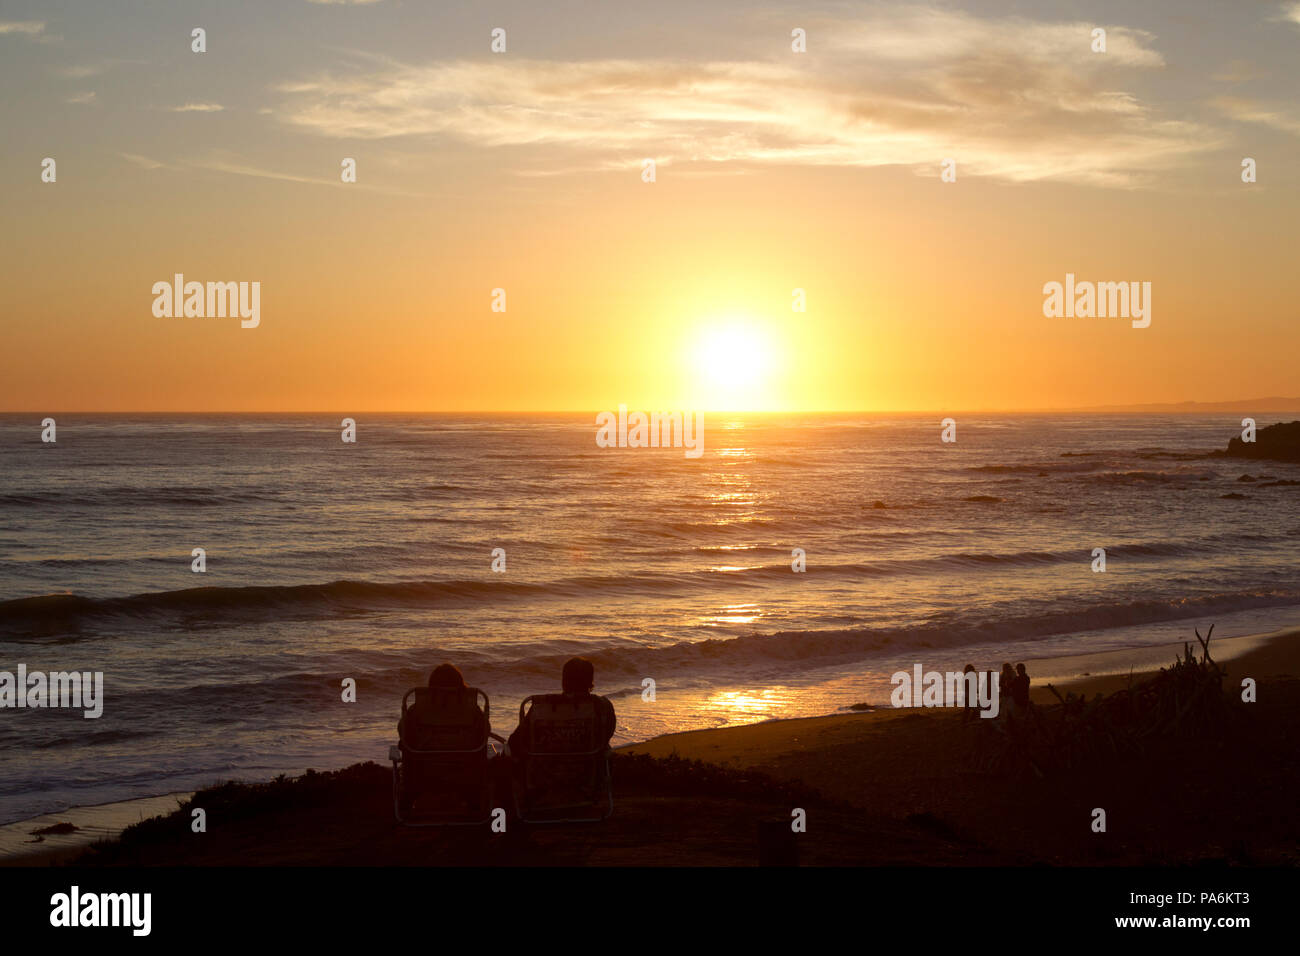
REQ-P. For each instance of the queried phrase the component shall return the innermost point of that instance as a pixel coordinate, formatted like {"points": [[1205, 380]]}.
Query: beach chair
{"points": [[564, 775], [441, 775]]}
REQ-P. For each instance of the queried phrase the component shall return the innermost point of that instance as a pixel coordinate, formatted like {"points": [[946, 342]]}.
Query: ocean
{"points": [[374, 561]]}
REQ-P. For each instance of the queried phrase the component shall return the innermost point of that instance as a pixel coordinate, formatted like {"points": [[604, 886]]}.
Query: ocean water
{"points": [[374, 561]]}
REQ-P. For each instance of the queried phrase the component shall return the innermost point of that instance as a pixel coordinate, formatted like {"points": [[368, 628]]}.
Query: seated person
{"points": [[414, 728], [445, 717], [576, 680]]}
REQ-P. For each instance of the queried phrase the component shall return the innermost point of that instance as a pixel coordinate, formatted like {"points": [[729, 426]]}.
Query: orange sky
{"points": [[376, 295]]}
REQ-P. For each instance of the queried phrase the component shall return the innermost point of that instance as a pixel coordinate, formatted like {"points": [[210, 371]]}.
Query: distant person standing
{"points": [[1020, 690], [1007, 690], [970, 709]]}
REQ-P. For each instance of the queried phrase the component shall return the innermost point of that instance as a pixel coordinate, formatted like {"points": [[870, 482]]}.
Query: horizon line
{"points": [[1187, 407]]}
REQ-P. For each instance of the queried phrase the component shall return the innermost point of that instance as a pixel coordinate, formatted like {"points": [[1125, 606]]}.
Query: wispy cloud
{"points": [[1237, 72], [144, 162], [232, 165], [198, 108], [85, 97], [1252, 111], [1007, 98], [26, 27], [1291, 12], [85, 70], [33, 30], [224, 162], [242, 169], [931, 36], [340, 3]]}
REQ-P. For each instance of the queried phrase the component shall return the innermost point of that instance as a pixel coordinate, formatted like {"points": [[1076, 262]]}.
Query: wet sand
{"points": [[20, 844]]}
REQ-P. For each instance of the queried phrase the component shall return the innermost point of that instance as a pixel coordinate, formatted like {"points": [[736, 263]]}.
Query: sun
{"points": [[733, 361]]}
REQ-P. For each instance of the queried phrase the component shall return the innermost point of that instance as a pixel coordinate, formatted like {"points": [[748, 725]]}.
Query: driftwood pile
{"points": [[1185, 700]]}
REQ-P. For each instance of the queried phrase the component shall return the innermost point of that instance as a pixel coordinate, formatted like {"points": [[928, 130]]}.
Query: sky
{"points": [[524, 170]]}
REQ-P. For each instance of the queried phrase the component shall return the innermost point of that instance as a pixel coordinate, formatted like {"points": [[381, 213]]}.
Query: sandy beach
{"points": [[881, 787], [57, 837]]}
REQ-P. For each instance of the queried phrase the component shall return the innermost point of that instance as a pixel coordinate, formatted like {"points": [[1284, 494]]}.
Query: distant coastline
{"points": [[1260, 406]]}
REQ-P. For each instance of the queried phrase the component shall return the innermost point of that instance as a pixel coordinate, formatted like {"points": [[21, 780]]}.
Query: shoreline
{"points": [[19, 846], [763, 744], [1107, 671], [1275, 654]]}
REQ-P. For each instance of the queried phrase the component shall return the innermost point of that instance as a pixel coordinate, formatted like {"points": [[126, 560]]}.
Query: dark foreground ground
{"points": [[887, 788]]}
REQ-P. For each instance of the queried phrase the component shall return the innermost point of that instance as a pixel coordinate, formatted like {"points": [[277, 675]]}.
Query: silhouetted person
{"points": [[576, 680], [444, 677], [970, 708], [1020, 689], [445, 717], [1007, 691]]}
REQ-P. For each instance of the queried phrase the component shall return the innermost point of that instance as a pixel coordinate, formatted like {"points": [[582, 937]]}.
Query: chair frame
{"points": [[399, 752], [606, 780]]}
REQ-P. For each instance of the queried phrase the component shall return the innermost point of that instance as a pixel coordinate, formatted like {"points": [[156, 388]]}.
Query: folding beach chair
{"points": [[564, 776], [441, 775]]}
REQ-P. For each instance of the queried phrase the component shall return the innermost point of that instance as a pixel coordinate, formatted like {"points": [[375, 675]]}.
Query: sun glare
{"points": [[732, 364]]}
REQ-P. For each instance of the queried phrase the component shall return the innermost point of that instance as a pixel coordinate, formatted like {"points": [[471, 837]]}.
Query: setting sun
{"points": [[733, 362]]}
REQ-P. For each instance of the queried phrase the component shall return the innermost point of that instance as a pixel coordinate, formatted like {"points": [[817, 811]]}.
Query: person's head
{"points": [[578, 676], [1020, 669], [970, 668], [447, 675], [1006, 669]]}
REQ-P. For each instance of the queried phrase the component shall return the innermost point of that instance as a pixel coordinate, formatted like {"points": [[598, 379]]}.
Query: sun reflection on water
{"points": [[738, 705], [733, 613]]}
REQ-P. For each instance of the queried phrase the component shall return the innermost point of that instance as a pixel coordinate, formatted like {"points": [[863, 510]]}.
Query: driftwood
{"points": [[1185, 699]]}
